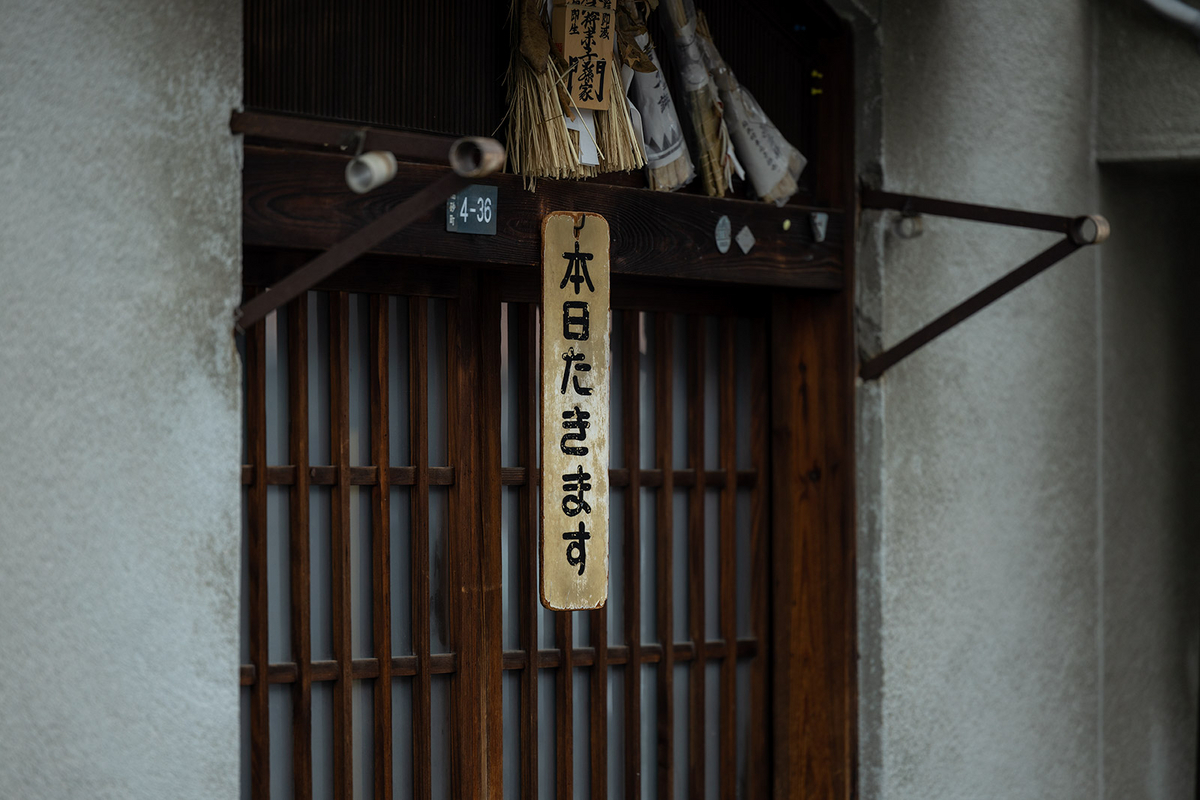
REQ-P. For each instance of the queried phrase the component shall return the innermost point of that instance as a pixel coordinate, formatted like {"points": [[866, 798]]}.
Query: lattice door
{"points": [[393, 643]]}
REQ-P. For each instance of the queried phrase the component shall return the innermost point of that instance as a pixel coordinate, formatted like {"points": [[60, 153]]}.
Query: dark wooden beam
{"points": [[299, 199]]}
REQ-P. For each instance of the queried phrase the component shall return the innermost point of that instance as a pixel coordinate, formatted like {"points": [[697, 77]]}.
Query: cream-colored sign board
{"points": [[575, 422]]}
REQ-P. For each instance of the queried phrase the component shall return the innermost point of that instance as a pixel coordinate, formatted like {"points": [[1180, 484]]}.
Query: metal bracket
{"points": [[470, 157], [1078, 232]]}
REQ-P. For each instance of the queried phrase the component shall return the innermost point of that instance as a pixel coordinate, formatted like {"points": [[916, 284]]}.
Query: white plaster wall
{"points": [[119, 391], [1149, 75], [981, 604], [1029, 570]]}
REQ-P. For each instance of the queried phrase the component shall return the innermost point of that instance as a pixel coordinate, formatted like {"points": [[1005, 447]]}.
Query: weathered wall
{"points": [[119, 384], [1028, 566], [1150, 550], [1149, 74], [984, 582]]}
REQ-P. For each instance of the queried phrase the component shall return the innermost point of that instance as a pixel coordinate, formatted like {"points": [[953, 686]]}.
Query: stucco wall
{"points": [[987, 564], [1028, 567], [119, 385], [1149, 75]]}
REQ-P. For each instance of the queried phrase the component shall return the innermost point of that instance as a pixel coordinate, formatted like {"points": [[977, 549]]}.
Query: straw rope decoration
{"points": [[540, 144]]}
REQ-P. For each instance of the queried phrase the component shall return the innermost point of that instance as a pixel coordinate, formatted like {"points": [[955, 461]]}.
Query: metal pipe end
{"points": [[476, 156], [1091, 229]]}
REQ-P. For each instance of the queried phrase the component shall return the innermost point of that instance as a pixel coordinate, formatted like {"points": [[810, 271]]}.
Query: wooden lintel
{"points": [[299, 199]]}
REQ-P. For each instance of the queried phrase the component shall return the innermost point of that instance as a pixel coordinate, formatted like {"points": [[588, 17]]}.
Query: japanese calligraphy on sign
{"points": [[585, 32], [575, 427]]}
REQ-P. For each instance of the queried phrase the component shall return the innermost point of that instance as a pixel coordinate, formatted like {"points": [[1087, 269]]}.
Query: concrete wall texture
{"points": [[120, 390], [1029, 572]]}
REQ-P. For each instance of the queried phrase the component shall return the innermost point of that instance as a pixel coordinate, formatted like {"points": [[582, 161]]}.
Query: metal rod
{"points": [[912, 204], [407, 145], [348, 249], [977, 302]]}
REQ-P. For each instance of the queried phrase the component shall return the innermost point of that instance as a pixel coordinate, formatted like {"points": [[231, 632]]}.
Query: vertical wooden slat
{"points": [[758, 764], [297, 316], [727, 736], [339, 449], [381, 546], [812, 541], [418, 383], [256, 443], [564, 733], [463, 549], [696, 716], [492, 624], [633, 557], [527, 348], [664, 420]]}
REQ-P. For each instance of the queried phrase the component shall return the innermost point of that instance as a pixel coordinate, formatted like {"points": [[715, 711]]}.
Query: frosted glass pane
{"points": [[508, 387], [616, 732], [320, 574], [318, 377], [682, 731], [743, 725], [361, 606], [277, 387], [649, 565], [401, 576], [512, 734], [322, 740], [679, 566], [581, 772], [744, 357], [398, 366], [712, 561], [439, 705], [649, 730], [547, 736], [439, 623], [510, 504], [437, 383], [402, 738], [712, 717], [279, 700], [363, 714], [616, 570], [360, 380], [712, 383], [279, 577], [647, 349], [679, 392]]}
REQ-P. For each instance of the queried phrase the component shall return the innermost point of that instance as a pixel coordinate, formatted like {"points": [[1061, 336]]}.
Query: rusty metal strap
{"points": [[1080, 232]]}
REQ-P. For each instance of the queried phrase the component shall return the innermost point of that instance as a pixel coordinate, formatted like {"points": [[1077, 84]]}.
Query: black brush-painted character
{"points": [[575, 484], [575, 422]]}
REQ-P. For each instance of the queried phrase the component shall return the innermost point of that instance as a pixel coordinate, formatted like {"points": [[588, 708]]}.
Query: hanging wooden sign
{"points": [[575, 422]]}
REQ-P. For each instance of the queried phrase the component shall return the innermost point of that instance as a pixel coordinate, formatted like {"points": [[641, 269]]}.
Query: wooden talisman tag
{"points": [[575, 419]]}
